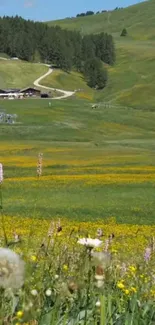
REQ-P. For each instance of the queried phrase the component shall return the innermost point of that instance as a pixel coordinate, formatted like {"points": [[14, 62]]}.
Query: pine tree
{"points": [[31, 41], [102, 78], [124, 32], [95, 75]]}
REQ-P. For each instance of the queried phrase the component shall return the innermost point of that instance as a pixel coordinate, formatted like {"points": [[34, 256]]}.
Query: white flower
{"points": [[99, 284], [56, 276], [34, 292], [89, 242], [48, 292], [11, 269], [98, 304], [99, 277], [1, 173]]}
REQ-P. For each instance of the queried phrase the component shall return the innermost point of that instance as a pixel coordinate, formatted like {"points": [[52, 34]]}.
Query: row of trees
{"points": [[34, 41], [88, 13], [91, 13]]}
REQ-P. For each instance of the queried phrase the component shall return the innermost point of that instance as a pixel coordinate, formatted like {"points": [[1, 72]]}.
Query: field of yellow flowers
{"points": [[78, 183], [65, 272], [69, 271], [77, 209]]}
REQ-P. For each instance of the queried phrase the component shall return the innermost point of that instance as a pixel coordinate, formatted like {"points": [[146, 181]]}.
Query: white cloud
{"points": [[29, 3]]}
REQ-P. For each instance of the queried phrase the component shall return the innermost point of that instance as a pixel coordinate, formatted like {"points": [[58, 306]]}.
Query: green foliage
{"points": [[124, 32], [28, 40], [102, 77], [95, 75], [88, 13]]}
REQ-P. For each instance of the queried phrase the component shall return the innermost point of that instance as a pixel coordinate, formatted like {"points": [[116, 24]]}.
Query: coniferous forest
{"points": [[36, 41]]}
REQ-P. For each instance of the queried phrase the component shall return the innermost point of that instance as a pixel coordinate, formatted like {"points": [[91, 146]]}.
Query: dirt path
{"points": [[65, 94], [1, 58]]}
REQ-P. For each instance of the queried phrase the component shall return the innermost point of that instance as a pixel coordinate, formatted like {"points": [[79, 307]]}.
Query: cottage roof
{"points": [[29, 89]]}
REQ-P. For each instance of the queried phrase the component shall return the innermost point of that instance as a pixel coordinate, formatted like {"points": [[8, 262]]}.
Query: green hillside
{"points": [[19, 74], [138, 19], [132, 78]]}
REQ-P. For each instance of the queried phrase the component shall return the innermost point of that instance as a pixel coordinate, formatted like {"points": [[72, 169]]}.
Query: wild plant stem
{"points": [[103, 312], [2, 217], [88, 287]]}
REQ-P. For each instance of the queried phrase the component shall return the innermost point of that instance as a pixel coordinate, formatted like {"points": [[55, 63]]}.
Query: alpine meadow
{"points": [[77, 169]]}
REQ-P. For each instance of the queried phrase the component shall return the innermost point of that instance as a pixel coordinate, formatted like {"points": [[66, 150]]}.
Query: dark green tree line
{"points": [[35, 41]]}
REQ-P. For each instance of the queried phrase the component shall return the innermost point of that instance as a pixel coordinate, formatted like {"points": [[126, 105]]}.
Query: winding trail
{"points": [[65, 93]]}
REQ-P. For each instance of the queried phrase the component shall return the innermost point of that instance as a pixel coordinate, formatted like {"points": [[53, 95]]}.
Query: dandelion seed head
{"points": [[48, 292], [34, 292], [11, 269]]}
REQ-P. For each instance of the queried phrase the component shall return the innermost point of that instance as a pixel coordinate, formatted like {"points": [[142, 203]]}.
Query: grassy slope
{"points": [[64, 80], [138, 19], [69, 81], [132, 79], [19, 74], [77, 140]]}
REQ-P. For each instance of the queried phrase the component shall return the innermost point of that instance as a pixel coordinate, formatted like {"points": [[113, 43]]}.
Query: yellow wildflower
{"points": [[20, 314], [120, 285], [127, 292], [132, 268], [133, 289], [33, 258], [65, 267]]}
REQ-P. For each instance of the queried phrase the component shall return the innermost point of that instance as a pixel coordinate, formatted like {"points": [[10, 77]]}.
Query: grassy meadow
{"points": [[19, 74], [69, 81], [84, 228], [96, 163], [97, 181]]}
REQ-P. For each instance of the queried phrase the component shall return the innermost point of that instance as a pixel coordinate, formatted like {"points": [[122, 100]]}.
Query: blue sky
{"points": [[43, 10]]}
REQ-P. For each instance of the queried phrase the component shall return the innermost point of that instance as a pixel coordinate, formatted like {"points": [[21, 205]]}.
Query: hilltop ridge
{"points": [[132, 78], [139, 19]]}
